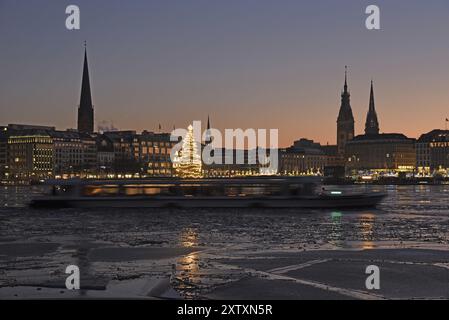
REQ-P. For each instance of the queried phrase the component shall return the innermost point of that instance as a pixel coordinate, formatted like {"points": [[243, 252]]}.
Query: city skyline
{"points": [[250, 151], [236, 87]]}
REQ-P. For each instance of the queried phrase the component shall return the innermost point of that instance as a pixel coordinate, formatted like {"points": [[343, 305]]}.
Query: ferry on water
{"points": [[269, 192]]}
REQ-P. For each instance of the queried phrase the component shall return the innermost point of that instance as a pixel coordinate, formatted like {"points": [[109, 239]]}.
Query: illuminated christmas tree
{"points": [[188, 162]]}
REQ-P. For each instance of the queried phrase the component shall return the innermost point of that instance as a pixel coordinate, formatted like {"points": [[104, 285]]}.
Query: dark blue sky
{"points": [[247, 63]]}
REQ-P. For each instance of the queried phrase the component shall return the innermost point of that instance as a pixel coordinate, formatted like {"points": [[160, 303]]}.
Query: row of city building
{"points": [[30, 152], [38, 152], [381, 153], [371, 153]]}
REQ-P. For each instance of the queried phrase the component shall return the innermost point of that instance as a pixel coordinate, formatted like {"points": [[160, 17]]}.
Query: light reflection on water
{"points": [[187, 275], [189, 238], [409, 213], [367, 222], [365, 230], [336, 230]]}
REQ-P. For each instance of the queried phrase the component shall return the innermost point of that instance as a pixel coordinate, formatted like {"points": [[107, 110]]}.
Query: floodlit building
{"points": [[30, 154], [154, 153], [68, 152], [129, 153], [75, 153], [432, 152], [304, 157], [381, 152], [233, 163]]}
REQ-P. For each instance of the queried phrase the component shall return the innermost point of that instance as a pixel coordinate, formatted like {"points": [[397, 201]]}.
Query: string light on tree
{"points": [[188, 161]]}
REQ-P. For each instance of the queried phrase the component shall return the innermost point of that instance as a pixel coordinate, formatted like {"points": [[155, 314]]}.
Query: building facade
{"points": [[232, 163], [75, 153], [432, 152], [68, 152], [125, 146], [105, 156], [305, 157], [382, 152], [37, 152], [154, 153], [129, 153], [30, 155]]}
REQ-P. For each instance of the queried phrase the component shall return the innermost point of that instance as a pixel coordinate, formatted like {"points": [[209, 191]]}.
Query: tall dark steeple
{"points": [[208, 138], [345, 120], [85, 109], [371, 125]]}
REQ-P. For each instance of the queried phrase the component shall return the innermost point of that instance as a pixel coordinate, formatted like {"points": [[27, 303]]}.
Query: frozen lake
{"points": [[196, 248]]}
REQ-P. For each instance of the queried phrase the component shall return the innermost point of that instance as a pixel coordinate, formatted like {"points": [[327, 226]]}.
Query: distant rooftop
{"points": [[380, 136], [436, 135], [28, 127]]}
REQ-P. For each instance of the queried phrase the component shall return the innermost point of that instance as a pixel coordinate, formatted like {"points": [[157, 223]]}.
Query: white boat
{"points": [[269, 192]]}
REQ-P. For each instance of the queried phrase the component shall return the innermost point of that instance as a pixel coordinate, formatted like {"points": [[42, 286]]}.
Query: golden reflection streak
{"points": [[367, 223], [187, 267], [189, 238]]}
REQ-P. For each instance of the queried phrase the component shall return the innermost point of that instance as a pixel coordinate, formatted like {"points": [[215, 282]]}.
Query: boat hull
{"points": [[324, 202]]}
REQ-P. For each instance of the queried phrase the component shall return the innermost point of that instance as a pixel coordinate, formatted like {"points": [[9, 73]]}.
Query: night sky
{"points": [[247, 63]]}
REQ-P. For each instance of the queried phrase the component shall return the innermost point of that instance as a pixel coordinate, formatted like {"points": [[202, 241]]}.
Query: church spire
{"points": [[345, 120], [346, 80], [371, 125], [345, 113], [85, 110], [208, 138]]}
